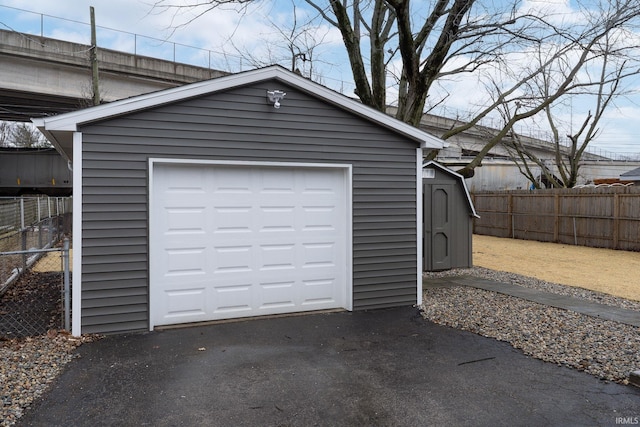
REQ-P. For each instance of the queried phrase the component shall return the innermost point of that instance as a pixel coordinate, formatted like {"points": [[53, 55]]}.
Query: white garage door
{"points": [[234, 241]]}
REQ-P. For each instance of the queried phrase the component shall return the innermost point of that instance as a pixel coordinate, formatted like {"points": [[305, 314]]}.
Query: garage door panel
{"points": [[317, 180], [231, 298], [275, 179], [182, 178], [186, 261], [185, 300], [231, 219], [179, 243], [277, 256], [178, 259], [182, 196], [189, 302], [319, 254], [277, 218], [317, 199], [227, 180], [276, 295], [232, 259], [186, 219], [319, 219], [247, 242], [319, 291]]}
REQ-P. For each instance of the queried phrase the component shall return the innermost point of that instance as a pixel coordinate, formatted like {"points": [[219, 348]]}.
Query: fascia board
{"points": [[70, 121]]}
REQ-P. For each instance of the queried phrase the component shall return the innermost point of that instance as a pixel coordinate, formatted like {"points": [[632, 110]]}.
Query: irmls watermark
{"points": [[628, 420]]}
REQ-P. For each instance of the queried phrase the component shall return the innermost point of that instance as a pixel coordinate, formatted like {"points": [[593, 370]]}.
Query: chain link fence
{"points": [[38, 299], [42, 235], [20, 212], [34, 265]]}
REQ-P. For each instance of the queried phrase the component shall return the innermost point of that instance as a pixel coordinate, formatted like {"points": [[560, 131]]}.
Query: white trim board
{"points": [[76, 279], [419, 225]]}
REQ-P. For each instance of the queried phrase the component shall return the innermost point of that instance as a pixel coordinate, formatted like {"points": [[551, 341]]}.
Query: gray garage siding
{"points": [[240, 125]]}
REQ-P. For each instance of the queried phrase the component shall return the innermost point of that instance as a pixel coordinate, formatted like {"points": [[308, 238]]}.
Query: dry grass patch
{"points": [[602, 270]]}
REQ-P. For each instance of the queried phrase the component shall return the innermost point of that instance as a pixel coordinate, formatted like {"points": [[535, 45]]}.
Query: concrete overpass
{"points": [[43, 76]]}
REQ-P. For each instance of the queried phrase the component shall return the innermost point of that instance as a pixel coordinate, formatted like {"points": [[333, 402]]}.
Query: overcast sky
{"points": [[219, 37]]}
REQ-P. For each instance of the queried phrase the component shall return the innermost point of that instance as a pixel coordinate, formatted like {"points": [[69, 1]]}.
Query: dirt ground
{"points": [[603, 270]]}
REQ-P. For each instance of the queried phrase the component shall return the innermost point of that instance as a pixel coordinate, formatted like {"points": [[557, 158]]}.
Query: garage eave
{"points": [[56, 126], [62, 141]]}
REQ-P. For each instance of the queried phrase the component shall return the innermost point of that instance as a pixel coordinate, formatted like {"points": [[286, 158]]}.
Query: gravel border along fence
{"points": [[606, 349]]}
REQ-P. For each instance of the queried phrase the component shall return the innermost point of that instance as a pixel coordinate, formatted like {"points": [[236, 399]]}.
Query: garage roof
{"points": [[59, 129]]}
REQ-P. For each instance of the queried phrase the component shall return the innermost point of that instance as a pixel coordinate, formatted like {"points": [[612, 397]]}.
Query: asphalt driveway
{"points": [[379, 368]]}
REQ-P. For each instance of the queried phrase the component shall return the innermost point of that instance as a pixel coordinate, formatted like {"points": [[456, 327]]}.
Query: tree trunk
{"points": [[352, 45]]}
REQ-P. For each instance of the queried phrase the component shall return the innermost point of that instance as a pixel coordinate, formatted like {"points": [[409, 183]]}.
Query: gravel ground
{"points": [[28, 366], [608, 350], [32, 351]]}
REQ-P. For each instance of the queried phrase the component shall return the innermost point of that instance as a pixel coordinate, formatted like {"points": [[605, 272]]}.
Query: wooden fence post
{"points": [[556, 217], [616, 220], [510, 224]]}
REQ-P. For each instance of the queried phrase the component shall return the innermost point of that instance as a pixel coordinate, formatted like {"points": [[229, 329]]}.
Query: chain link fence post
{"points": [[23, 247], [67, 284]]}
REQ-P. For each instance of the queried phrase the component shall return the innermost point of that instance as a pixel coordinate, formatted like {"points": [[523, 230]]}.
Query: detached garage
{"points": [[252, 194]]}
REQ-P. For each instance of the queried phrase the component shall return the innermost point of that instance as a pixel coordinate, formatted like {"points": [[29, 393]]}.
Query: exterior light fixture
{"points": [[275, 96]]}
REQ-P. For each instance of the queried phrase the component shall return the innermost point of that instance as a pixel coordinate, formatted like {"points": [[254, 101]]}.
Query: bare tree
{"points": [[5, 134], [418, 47], [26, 136], [600, 86], [298, 42], [562, 171]]}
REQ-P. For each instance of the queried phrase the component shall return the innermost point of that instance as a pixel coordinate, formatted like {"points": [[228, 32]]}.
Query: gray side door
{"points": [[438, 226]]}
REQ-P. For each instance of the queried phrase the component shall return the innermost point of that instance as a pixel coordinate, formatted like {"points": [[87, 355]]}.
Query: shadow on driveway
{"points": [[378, 368]]}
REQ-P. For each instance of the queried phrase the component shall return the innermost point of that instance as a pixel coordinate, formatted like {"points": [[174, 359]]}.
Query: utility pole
{"points": [[94, 59]]}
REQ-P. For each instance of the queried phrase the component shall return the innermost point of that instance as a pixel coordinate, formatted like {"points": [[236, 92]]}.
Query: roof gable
{"points": [[460, 178], [59, 129]]}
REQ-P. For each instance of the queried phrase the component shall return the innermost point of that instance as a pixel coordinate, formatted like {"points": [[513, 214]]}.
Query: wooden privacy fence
{"points": [[606, 217]]}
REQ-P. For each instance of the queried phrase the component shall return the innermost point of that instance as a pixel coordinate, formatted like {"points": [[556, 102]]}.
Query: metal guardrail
{"points": [[139, 44]]}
